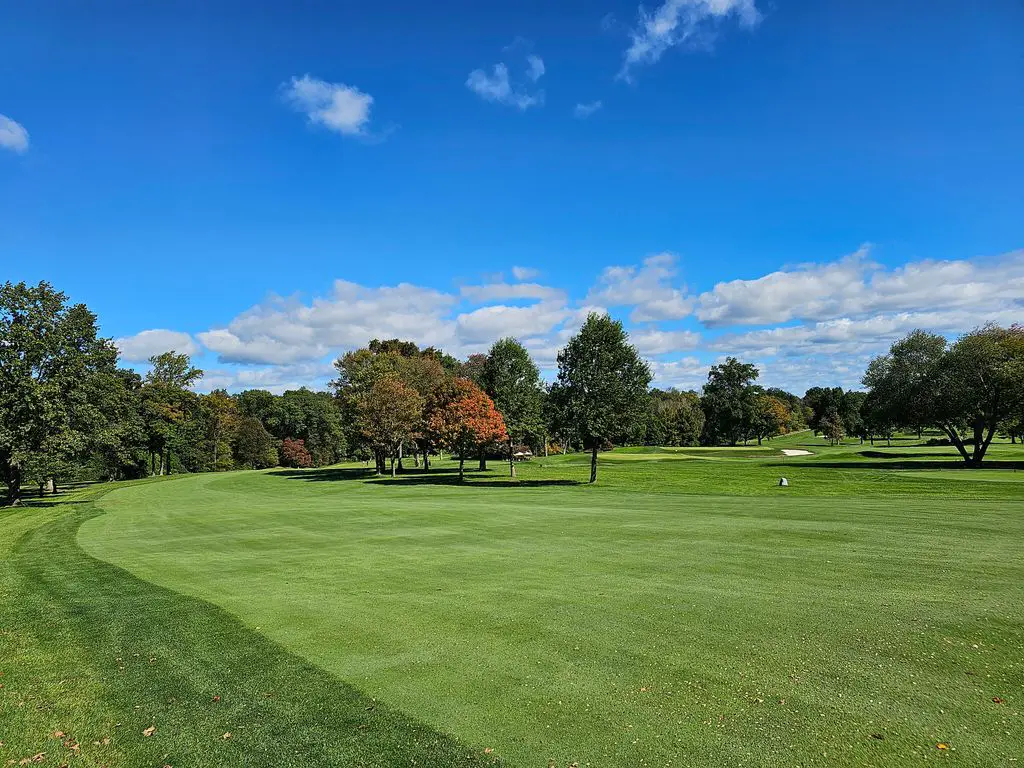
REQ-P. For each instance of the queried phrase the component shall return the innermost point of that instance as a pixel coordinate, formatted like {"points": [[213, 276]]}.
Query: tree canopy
{"points": [[601, 390]]}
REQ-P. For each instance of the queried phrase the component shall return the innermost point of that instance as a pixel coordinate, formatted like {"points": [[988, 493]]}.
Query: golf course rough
{"points": [[686, 611]]}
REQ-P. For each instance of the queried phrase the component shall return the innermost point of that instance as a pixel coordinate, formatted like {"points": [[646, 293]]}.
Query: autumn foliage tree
{"points": [[463, 417], [294, 454]]}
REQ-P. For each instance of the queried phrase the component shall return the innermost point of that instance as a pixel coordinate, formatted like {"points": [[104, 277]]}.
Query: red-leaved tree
{"points": [[463, 417], [294, 454]]}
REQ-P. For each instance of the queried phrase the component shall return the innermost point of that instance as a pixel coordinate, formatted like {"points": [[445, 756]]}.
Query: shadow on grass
{"points": [[1009, 465], [934, 455], [413, 476], [471, 481], [106, 640], [326, 475]]}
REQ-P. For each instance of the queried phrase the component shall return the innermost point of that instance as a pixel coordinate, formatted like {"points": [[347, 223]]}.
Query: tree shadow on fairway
{"points": [[452, 479], [186, 682], [415, 476], [326, 474], [891, 464]]}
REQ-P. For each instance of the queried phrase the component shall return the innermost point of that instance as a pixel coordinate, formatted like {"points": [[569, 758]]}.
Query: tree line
{"points": [[68, 411]]}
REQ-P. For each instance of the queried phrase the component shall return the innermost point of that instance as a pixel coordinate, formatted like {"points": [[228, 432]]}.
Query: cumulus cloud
{"points": [[855, 286], [336, 106], [584, 111], [652, 341], [276, 379], [679, 23], [502, 291], [13, 135], [846, 336], [146, 344], [647, 288], [688, 373], [489, 323], [498, 86], [289, 331]]}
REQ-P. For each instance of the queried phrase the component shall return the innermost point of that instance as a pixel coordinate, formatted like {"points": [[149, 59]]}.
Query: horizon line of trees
{"points": [[69, 412]]}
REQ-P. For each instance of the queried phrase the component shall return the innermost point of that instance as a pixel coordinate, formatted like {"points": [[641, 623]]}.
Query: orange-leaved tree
{"points": [[463, 417]]}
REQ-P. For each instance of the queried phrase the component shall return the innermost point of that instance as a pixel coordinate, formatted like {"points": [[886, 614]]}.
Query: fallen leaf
{"points": [[216, 699], [878, 736], [488, 750], [226, 736], [149, 731], [940, 745], [998, 700], [59, 734]]}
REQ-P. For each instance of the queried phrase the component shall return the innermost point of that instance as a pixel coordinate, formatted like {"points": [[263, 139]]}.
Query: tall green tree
{"points": [[252, 445], [173, 414], [729, 402], [512, 381], [50, 355], [966, 389], [601, 390]]}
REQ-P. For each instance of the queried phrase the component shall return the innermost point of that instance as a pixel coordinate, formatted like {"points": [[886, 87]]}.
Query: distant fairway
{"points": [[685, 611]]}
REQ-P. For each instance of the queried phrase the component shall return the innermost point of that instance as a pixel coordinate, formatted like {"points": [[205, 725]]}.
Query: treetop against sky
{"points": [[795, 183]]}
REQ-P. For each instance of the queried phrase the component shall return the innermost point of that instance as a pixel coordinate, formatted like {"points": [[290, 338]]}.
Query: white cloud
{"points": [[681, 22], [490, 323], [854, 286], [654, 342], [583, 111], [524, 273], [499, 88], [338, 107], [145, 344], [500, 291], [276, 379], [13, 135], [648, 289], [287, 330], [534, 67], [846, 336], [688, 373]]}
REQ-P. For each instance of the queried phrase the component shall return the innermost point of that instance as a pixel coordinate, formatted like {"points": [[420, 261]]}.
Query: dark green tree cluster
{"points": [[674, 418], [837, 414], [969, 389], [736, 409]]}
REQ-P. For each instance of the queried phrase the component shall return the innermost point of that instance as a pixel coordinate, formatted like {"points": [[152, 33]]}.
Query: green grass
{"points": [[685, 611]]}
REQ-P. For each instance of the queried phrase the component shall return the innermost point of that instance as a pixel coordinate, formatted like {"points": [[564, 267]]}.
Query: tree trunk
{"points": [[981, 446], [758, 439], [13, 485], [416, 457], [593, 464], [511, 460], [954, 438], [378, 461], [483, 459], [400, 467], [462, 465], [426, 458], [392, 467]]}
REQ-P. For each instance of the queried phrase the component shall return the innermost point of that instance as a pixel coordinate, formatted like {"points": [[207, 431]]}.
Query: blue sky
{"points": [[794, 182]]}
